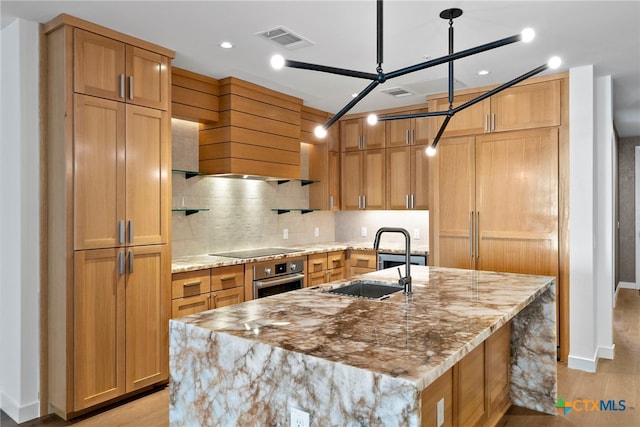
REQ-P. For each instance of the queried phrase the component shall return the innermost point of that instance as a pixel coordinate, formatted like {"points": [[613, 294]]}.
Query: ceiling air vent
{"points": [[398, 92], [285, 38]]}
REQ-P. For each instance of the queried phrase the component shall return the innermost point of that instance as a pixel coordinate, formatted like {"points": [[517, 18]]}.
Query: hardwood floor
{"points": [[617, 379]]}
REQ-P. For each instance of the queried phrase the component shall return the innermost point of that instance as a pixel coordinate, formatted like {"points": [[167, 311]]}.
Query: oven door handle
{"points": [[279, 280]]}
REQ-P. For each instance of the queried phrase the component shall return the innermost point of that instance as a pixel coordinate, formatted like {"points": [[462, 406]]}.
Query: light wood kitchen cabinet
{"points": [[440, 389], [407, 172], [499, 210], [109, 68], [535, 104], [469, 383], [498, 373], [402, 132], [326, 267], [123, 150], [202, 290], [363, 179], [107, 190], [119, 305], [324, 169], [362, 261], [356, 134]]}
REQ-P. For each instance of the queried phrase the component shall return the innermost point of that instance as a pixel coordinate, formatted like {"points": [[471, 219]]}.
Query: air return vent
{"points": [[285, 38], [398, 92]]}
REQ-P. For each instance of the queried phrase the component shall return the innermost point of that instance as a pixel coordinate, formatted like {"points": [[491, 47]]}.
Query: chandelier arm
{"points": [[332, 70], [351, 104], [414, 115], [453, 56], [500, 88], [441, 130], [379, 33]]}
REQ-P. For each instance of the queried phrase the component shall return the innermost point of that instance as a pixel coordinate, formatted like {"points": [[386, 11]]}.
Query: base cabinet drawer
{"points": [[336, 274], [227, 297], [190, 283], [228, 277], [190, 305]]}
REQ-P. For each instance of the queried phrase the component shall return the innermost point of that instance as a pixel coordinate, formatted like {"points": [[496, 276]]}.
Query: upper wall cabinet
{"points": [[404, 132], [356, 134], [111, 69], [526, 106]]}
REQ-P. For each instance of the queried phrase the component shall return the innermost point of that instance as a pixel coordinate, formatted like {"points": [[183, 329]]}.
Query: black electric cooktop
{"points": [[256, 253]]}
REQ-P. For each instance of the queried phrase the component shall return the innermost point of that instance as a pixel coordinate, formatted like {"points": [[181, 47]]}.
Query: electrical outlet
{"points": [[440, 411], [285, 233], [416, 233], [363, 231], [316, 232], [299, 418]]}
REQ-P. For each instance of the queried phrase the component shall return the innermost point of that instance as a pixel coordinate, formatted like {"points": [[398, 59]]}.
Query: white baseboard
{"points": [[582, 363], [18, 413], [628, 285], [607, 352]]}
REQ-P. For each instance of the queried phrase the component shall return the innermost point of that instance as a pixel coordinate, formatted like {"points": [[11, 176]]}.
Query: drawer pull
{"points": [[317, 263], [188, 285], [223, 278], [363, 259]]}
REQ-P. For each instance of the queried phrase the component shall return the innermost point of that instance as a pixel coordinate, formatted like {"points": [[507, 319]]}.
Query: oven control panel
{"points": [[275, 268]]}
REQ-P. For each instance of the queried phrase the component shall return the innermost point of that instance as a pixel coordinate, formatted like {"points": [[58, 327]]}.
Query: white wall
{"points": [[19, 221], [590, 219]]}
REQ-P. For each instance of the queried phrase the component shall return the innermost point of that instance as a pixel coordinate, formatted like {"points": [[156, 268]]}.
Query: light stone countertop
{"points": [[309, 340], [204, 261]]}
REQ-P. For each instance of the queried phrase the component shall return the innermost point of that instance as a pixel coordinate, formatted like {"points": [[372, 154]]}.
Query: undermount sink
{"points": [[366, 289]]}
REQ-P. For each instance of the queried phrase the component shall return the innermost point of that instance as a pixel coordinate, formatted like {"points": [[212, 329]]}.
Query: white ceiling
{"points": [[603, 33]]}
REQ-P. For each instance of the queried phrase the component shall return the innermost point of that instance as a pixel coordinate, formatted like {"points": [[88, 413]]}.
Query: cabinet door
{"points": [[333, 137], [421, 131], [374, 135], [99, 187], [227, 297], [470, 121], [98, 327], [374, 179], [517, 202], [147, 78], [398, 132], [419, 177], [454, 203], [470, 379], [350, 134], [147, 315], [351, 180], [529, 106], [147, 174], [190, 305], [98, 66], [398, 172], [498, 373], [334, 181], [227, 277]]}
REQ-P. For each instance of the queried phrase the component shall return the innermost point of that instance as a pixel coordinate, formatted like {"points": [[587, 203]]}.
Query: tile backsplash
{"points": [[240, 212]]}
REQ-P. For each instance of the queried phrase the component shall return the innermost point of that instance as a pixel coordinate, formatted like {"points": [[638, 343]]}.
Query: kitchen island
{"points": [[352, 361]]}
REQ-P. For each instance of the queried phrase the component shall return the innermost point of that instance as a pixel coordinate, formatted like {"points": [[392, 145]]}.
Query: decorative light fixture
{"points": [[380, 77]]}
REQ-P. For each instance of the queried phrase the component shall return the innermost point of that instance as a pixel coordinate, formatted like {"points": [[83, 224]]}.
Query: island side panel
{"points": [[219, 379], [534, 356]]}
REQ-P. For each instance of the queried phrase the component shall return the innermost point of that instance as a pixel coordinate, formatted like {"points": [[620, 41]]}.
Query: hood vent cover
{"points": [[398, 92], [285, 38]]}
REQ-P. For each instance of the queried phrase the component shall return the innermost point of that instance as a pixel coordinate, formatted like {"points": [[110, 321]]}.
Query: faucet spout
{"points": [[405, 281]]}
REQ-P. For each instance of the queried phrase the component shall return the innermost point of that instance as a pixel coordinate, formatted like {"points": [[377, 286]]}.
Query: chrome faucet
{"points": [[405, 281]]}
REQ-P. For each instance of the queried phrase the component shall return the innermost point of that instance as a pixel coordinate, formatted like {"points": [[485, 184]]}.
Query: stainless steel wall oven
{"points": [[277, 276]]}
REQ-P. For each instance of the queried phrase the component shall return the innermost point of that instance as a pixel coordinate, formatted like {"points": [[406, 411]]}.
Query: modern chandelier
{"points": [[380, 76]]}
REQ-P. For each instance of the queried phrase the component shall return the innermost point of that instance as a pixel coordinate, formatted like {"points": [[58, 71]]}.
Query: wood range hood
{"points": [[256, 136]]}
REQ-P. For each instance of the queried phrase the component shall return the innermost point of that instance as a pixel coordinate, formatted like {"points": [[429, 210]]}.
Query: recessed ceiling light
{"points": [[483, 72], [226, 45]]}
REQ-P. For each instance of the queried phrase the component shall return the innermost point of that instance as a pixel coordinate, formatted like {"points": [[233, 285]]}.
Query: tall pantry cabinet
{"points": [[108, 192]]}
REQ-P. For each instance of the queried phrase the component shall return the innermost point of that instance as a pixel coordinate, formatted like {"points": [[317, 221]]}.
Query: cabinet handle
{"points": [[493, 122], [121, 86], [477, 234], [406, 201], [330, 202], [407, 139], [121, 263], [317, 263], [471, 235], [486, 123], [413, 205], [413, 136], [130, 262], [364, 142], [130, 231], [189, 285], [359, 202], [225, 278], [364, 202], [121, 231], [130, 87]]}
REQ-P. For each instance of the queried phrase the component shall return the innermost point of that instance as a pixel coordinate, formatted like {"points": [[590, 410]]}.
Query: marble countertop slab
{"points": [[413, 338], [204, 261]]}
